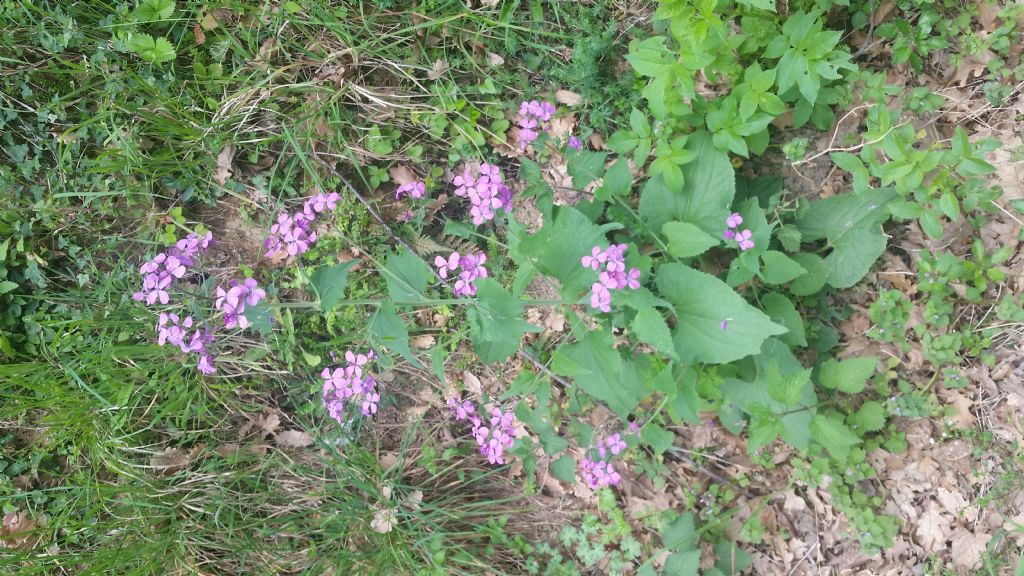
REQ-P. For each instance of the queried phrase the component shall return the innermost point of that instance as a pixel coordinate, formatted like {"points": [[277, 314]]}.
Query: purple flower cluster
{"points": [[292, 234], [532, 115], [598, 471], [158, 273], [486, 191], [611, 265], [232, 301], [350, 384], [741, 237], [575, 143], [494, 439], [472, 266], [415, 189]]}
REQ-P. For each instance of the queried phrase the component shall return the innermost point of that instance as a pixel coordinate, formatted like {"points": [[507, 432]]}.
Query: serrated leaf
{"points": [[260, 317], [650, 327], [702, 303], [585, 167], [599, 370], [816, 277], [154, 10], [406, 276], [870, 417], [681, 534], [782, 311], [709, 185], [778, 268], [156, 51], [848, 376], [657, 438], [496, 322], [851, 224], [564, 469], [830, 432], [387, 329], [686, 240], [329, 282], [6, 286], [618, 181]]}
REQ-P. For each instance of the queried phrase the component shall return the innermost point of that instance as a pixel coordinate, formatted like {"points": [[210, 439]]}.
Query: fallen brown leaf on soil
{"points": [[568, 97], [16, 531], [968, 547], [293, 439], [170, 460], [931, 528], [224, 161]]}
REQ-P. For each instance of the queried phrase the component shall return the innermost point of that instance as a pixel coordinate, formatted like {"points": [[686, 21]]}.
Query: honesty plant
{"points": [[494, 439], [486, 191], [293, 235], [532, 116], [611, 265], [350, 385], [472, 266]]}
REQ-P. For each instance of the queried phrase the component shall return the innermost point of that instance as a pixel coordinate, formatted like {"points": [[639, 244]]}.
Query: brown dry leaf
{"points": [[561, 128], [423, 341], [15, 532], [401, 174], [383, 521], [472, 383], [224, 160], [963, 417], [388, 460], [494, 59], [293, 439], [437, 70], [968, 547], [170, 460], [883, 12], [955, 504], [268, 423], [988, 15], [931, 528], [568, 97]]}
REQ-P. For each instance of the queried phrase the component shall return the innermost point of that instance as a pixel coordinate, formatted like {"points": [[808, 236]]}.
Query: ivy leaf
{"points": [[709, 185], [778, 268], [556, 249], [154, 10], [849, 376], [686, 240], [585, 167], [702, 303], [388, 331], [851, 225], [154, 51], [830, 432], [650, 327], [597, 367], [496, 322], [329, 283], [406, 276]]}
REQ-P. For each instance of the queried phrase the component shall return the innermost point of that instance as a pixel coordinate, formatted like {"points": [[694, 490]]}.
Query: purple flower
{"points": [[743, 238], [416, 189], [724, 324], [348, 383], [596, 258], [446, 266], [575, 143], [734, 220], [615, 443], [205, 364], [729, 234], [600, 297]]}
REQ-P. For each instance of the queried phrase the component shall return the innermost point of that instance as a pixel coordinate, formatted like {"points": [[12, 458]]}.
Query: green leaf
{"points": [[496, 322], [949, 205], [816, 277], [260, 317], [830, 432], [702, 303], [870, 417], [650, 58], [556, 249], [657, 438], [387, 330], [618, 181], [686, 240], [681, 534], [682, 563], [782, 311], [585, 167], [650, 327], [930, 224], [778, 268], [564, 469], [707, 193], [406, 276], [154, 10], [329, 283], [6, 286], [598, 369], [851, 224], [849, 376], [155, 51]]}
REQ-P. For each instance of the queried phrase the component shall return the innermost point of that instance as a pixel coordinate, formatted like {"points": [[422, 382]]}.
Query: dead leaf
{"points": [[170, 460], [962, 416], [472, 384], [568, 97], [423, 341], [388, 460], [293, 439], [494, 59], [401, 174], [437, 70], [15, 532], [931, 528], [383, 521], [224, 160], [988, 15], [968, 547]]}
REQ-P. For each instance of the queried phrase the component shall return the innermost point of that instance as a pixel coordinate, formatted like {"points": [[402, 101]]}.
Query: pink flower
{"points": [[743, 238], [416, 189], [633, 278], [729, 234], [600, 297], [615, 443], [575, 143], [734, 220], [596, 258]]}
